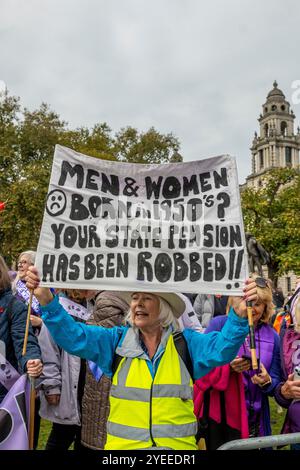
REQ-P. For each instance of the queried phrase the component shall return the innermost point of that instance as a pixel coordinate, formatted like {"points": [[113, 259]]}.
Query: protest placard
{"points": [[159, 227]]}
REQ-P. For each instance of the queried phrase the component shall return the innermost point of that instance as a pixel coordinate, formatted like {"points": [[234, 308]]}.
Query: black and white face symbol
{"points": [[56, 202], [6, 425]]}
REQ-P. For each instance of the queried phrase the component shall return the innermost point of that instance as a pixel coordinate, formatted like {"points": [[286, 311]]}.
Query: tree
{"points": [[28, 158], [272, 215], [148, 147], [97, 142], [9, 110], [27, 141]]}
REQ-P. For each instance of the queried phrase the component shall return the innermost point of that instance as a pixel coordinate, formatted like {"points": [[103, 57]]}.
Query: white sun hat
{"points": [[176, 303]]}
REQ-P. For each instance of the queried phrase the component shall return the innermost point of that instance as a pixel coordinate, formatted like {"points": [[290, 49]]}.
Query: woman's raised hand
{"points": [[250, 295], [43, 294]]}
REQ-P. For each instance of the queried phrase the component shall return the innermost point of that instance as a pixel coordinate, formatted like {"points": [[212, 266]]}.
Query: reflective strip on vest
{"points": [[181, 391], [169, 430], [185, 392], [140, 434], [120, 430], [170, 410], [130, 393]]}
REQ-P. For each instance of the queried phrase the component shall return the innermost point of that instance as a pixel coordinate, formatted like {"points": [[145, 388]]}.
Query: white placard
{"points": [[119, 226]]}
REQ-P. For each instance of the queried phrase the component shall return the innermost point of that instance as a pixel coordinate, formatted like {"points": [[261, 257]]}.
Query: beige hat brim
{"points": [[176, 303]]}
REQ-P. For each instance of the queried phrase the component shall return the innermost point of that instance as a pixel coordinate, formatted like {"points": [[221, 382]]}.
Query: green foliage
{"points": [[96, 142], [272, 215], [45, 429], [9, 109], [148, 147], [27, 141]]}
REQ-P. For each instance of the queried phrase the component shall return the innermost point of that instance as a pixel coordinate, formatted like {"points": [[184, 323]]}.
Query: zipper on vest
{"points": [[150, 422]]}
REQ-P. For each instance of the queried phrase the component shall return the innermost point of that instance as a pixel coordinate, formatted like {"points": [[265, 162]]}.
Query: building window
{"points": [[274, 107], [261, 160], [283, 128], [288, 284], [266, 130], [288, 156]]}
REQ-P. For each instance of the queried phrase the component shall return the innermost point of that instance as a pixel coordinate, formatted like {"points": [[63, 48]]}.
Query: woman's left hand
{"points": [[250, 295], [262, 378]]}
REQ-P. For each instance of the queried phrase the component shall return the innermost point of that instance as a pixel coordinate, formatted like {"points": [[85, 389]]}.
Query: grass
{"points": [[277, 418], [44, 433], [276, 424]]}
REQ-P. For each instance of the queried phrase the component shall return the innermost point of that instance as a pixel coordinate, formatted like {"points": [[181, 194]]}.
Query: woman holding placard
{"points": [[151, 399]]}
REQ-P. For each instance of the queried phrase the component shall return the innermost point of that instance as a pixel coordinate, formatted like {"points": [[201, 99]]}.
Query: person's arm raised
{"points": [[90, 342], [43, 294]]}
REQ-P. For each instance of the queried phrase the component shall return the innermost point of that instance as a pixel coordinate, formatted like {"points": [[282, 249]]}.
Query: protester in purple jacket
{"points": [[287, 392], [257, 385]]}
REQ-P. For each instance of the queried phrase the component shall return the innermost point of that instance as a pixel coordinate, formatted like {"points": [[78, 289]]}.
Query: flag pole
{"points": [[252, 336], [31, 413], [31, 379], [27, 324]]}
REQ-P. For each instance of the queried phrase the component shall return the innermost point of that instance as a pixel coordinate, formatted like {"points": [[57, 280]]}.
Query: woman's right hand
{"points": [[291, 388], [43, 294], [36, 321], [239, 364]]}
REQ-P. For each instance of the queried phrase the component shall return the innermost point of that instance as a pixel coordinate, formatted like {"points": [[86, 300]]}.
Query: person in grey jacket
{"points": [[61, 384], [208, 306], [204, 306]]}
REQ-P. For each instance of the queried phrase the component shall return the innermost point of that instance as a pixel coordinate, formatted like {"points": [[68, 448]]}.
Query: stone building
{"points": [[277, 145]]}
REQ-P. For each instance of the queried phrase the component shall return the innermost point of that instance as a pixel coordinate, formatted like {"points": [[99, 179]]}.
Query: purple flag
{"points": [[8, 374], [95, 370], [14, 416]]}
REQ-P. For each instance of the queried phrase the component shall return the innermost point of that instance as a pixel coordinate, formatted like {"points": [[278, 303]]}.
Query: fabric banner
{"points": [[95, 370], [24, 293], [160, 227], [14, 415], [8, 374], [75, 309]]}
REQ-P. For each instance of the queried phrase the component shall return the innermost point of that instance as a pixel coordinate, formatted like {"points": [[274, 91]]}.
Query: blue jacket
{"points": [[98, 344], [12, 335]]}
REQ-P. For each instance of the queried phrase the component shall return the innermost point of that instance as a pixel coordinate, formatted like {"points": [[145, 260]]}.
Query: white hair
{"points": [[166, 316], [30, 255]]}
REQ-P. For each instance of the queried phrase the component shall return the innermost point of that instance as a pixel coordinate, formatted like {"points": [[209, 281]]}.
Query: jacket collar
{"points": [[131, 344]]}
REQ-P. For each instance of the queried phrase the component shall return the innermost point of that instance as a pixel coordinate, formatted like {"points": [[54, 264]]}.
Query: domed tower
{"points": [[277, 145]]}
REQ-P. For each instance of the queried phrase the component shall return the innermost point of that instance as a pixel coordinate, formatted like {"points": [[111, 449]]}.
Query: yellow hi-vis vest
{"points": [[152, 412]]}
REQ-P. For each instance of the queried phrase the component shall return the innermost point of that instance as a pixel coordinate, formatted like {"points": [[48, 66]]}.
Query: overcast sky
{"points": [[198, 69]]}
